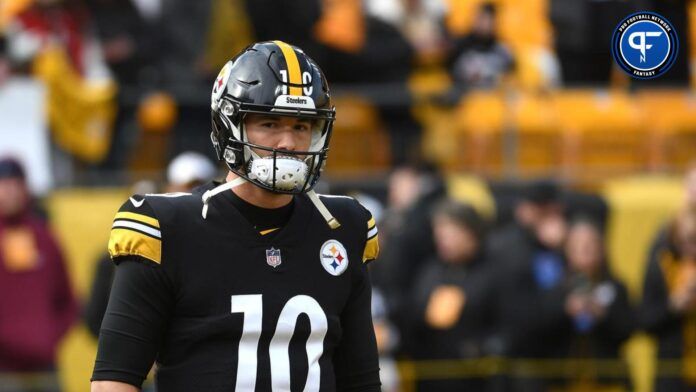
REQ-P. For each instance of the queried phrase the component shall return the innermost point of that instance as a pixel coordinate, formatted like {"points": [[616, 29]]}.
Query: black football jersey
{"points": [[223, 307]]}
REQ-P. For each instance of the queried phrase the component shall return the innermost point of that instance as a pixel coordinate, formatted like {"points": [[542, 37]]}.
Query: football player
{"points": [[258, 283]]}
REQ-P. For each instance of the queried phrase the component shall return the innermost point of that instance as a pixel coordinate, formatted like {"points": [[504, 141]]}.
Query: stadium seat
{"points": [[602, 134], [538, 138], [429, 81], [478, 133], [360, 142], [533, 15], [672, 126], [460, 16]]}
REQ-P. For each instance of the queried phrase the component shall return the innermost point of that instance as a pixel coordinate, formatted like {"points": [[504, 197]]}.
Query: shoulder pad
{"points": [[136, 231], [347, 207]]}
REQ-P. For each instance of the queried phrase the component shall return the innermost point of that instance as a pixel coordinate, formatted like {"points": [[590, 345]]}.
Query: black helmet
{"points": [[271, 78]]}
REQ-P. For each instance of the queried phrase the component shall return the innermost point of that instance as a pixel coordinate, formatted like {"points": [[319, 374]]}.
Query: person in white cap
{"points": [[189, 170]]}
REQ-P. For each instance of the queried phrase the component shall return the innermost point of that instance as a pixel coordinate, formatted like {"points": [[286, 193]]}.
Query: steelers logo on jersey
{"points": [[334, 257]]}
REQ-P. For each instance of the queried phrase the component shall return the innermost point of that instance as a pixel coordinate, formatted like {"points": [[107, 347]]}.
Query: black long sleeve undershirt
{"points": [[140, 305]]}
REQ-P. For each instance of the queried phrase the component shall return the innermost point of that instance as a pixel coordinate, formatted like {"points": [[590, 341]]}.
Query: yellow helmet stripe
{"points": [[293, 64]]}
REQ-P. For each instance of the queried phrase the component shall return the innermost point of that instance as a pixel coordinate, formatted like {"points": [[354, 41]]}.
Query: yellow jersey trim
{"points": [[138, 217], [125, 242], [371, 249], [264, 232]]}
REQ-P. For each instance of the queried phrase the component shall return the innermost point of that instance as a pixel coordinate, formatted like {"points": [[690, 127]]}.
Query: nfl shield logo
{"points": [[273, 257]]}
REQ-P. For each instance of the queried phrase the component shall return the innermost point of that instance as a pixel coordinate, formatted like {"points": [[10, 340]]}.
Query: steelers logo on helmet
{"points": [[272, 79], [333, 257], [645, 45], [219, 84]]}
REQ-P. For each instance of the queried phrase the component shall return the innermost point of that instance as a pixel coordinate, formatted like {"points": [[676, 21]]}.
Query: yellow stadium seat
{"points": [[537, 29], [360, 142], [430, 81], [482, 111], [478, 134], [538, 139], [602, 134], [460, 16], [671, 118]]}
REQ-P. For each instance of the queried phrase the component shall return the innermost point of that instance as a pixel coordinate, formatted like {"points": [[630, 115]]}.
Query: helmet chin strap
{"points": [[330, 220], [217, 190]]}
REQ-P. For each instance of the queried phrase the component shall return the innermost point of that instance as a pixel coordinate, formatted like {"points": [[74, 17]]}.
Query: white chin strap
{"points": [[330, 220], [217, 190]]}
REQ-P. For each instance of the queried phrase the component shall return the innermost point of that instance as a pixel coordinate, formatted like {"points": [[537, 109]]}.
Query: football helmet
{"points": [[277, 79]]}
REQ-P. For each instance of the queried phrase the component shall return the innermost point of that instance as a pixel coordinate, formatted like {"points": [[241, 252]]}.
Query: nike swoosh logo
{"points": [[136, 203]]}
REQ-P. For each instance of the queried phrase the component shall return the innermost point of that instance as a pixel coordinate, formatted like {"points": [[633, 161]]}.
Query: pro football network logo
{"points": [[333, 257], [645, 45], [273, 257]]}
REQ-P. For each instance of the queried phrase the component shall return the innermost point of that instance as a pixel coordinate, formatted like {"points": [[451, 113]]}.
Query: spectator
{"points": [[413, 191], [600, 316], [130, 44], [453, 312], [527, 255], [478, 59], [189, 170], [669, 300], [128, 41], [63, 23], [420, 21], [185, 172], [661, 240], [36, 302]]}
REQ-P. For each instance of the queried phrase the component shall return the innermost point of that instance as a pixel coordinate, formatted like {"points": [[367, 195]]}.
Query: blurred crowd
{"points": [[535, 289], [160, 56]]}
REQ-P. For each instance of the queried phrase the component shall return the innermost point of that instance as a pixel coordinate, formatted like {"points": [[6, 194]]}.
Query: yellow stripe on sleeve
{"points": [[371, 249], [138, 217], [294, 73], [125, 242], [371, 223]]}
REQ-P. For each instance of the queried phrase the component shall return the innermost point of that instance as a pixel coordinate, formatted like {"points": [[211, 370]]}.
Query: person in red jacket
{"points": [[37, 305]]}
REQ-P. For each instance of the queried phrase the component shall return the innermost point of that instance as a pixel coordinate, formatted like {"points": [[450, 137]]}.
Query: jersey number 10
{"points": [[251, 306]]}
